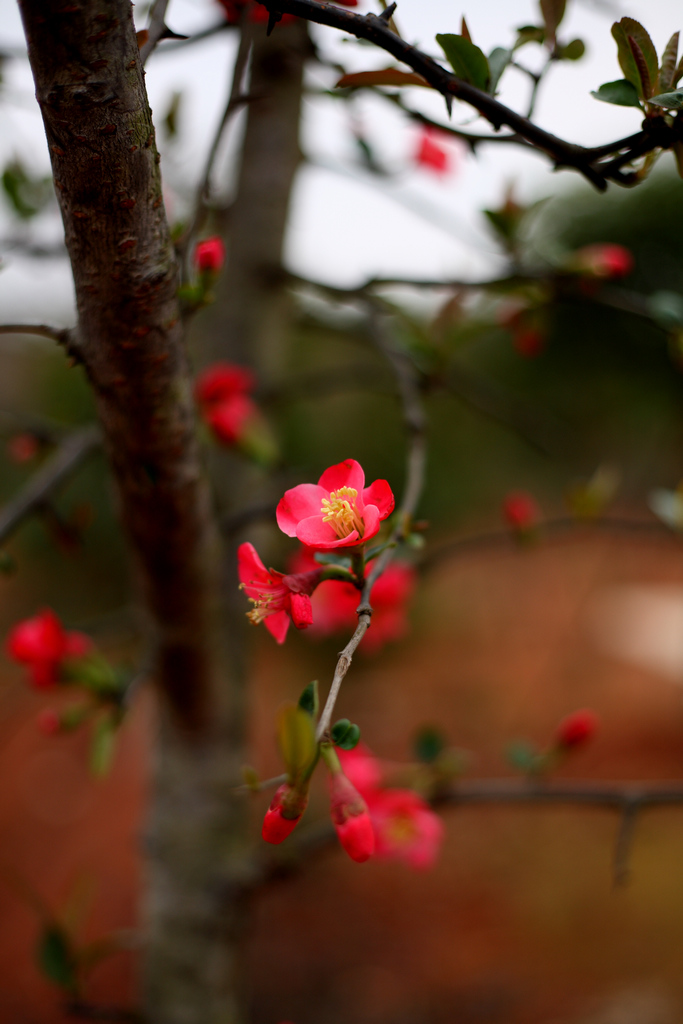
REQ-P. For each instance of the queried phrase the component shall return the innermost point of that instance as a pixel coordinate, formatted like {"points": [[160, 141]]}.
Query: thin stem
{"points": [[234, 103], [59, 334], [69, 455], [155, 29]]}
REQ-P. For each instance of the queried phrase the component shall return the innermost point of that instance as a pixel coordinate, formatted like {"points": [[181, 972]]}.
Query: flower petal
{"points": [[348, 473], [277, 625], [371, 518], [317, 534], [302, 612], [250, 568], [380, 494], [299, 503]]}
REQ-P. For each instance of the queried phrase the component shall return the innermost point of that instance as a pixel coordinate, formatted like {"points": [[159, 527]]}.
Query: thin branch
{"points": [[622, 849], [62, 335], [72, 452], [234, 103], [375, 30], [155, 29]]}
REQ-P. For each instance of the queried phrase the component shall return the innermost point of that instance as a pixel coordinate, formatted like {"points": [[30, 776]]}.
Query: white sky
{"points": [[347, 224]]}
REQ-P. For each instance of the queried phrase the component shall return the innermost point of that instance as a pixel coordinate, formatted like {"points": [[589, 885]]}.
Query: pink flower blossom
{"points": [[604, 260], [577, 728], [222, 393], [209, 255], [430, 154], [283, 815], [338, 511], [351, 819], [520, 510], [404, 825], [43, 645], [276, 598]]}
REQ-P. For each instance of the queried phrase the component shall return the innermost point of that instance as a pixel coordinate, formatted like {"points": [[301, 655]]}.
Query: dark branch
{"points": [[71, 453], [563, 153]]}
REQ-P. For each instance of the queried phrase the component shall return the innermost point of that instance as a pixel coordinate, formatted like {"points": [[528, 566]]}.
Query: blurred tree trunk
{"points": [[90, 87]]}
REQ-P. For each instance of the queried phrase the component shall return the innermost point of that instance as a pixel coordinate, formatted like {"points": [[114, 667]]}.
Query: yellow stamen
{"points": [[340, 511]]}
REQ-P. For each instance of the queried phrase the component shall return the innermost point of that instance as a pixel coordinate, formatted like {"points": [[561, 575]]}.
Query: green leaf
{"points": [[572, 51], [332, 559], [429, 743], [529, 34], [308, 701], [621, 92], [170, 118], [669, 100], [667, 71], [466, 59], [553, 13], [521, 755], [637, 55], [498, 61], [345, 734], [102, 748], [56, 958], [666, 309], [26, 195], [296, 738]]}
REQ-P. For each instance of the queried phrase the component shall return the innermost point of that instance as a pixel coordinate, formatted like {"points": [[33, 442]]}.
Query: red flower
{"points": [[606, 260], [209, 255], [276, 597], [520, 511], [576, 729], [351, 819], [405, 826], [284, 814], [429, 153], [529, 342], [43, 645], [221, 392], [334, 603], [338, 511], [22, 447]]}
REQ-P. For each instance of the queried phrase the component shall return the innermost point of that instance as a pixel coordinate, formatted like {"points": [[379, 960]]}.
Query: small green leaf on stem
{"points": [[466, 59], [622, 93], [308, 701], [56, 958], [669, 100], [429, 743], [345, 734], [296, 738]]}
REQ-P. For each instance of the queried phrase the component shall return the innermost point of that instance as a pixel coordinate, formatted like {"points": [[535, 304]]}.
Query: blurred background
{"points": [[520, 921]]}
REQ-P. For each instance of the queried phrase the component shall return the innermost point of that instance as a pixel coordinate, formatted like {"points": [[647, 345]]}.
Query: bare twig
{"points": [[155, 29], [234, 103], [563, 153], [624, 842], [71, 453], [62, 335]]}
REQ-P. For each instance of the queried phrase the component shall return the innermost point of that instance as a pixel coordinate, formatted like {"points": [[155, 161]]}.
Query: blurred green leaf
{"points": [[529, 34], [27, 195], [521, 755], [499, 58], [573, 50], [170, 119], [308, 701], [667, 71], [669, 100], [102, 747], [466, 59], [621, 92], [553, 13], [296, 738], [56, 958], [345, 734], [429, 743]]}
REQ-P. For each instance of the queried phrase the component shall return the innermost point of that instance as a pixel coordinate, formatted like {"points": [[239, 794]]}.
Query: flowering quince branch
{"points": [[564, 154]]}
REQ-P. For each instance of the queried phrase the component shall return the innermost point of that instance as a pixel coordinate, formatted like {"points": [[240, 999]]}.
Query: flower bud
{"points": [[351, 819], [576, 729], [284, 813], [520, 511], [209, 255], [608, 261]]}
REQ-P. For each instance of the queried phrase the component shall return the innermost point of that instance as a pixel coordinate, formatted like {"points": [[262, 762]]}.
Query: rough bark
{"points": [[90, 87]]}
